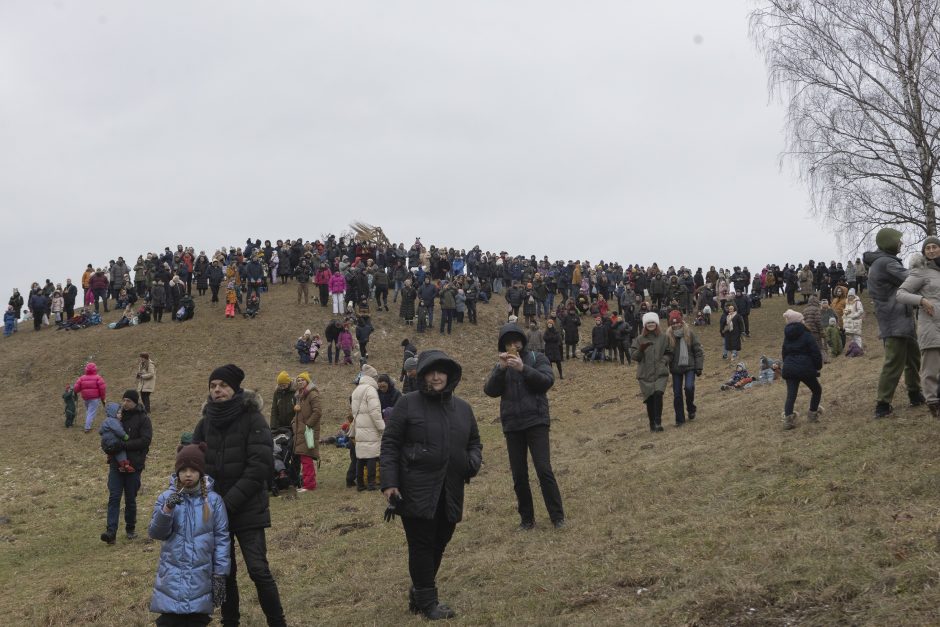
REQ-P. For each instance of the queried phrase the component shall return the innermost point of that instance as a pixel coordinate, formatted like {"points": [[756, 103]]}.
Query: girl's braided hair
{"points": [[205, 498]]}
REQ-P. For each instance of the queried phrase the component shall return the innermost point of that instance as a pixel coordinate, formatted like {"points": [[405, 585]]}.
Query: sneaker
{"points": [[917, 399], [131, 534], [883, 410], [107, 537], [526, 525], [299, 490], [559, 524], [691, 415]]}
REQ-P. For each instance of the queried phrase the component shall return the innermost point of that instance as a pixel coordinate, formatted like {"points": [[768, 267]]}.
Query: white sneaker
{"points": [[301, 490]]}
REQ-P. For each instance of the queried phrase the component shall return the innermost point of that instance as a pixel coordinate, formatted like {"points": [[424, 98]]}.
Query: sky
{"points": [[619, 130]]}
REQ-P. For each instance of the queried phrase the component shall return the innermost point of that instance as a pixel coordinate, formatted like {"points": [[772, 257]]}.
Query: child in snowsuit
{"points": [[739, 379], [315, 344], [231, 300], [190, 520], [112, 433], [70, 397], [9, 321], [345, 343]]}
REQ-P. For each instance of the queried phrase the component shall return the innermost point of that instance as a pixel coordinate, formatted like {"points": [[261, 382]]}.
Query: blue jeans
{"points": [[91, 410], [684, 381], [128, 484]]}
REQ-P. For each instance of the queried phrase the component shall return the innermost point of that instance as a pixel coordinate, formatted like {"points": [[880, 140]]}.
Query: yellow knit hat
{"points": [[283, 378], [305, 376]]}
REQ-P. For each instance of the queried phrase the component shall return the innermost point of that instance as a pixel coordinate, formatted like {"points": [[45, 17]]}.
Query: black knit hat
{"points": [[132, 395], [191, 456], [231, 374]]}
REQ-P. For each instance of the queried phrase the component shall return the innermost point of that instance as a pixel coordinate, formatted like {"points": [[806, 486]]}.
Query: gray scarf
{"points": [[683, 348]]}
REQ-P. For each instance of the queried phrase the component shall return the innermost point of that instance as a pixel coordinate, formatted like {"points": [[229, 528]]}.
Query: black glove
{"points": [[393, 502], [173, 500], [218, 590], [698, 373], [118, 446]]}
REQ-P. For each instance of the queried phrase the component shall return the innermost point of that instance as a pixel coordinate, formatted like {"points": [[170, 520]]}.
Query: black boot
{"points": [[412, 606], [426, 601], [917, 399]]}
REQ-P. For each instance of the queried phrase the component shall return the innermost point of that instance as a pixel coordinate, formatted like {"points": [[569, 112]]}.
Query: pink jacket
{"points": [[337, 283], [344, 340], [90, 385]]}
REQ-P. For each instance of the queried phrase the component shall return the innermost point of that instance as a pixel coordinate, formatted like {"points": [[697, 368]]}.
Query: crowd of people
{"points": [[420, 445]]}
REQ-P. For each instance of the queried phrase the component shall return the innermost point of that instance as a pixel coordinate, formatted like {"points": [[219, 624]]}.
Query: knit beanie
{"points": [[369, 371], [191, 456], [305, 376], [411, 364], [283, 378], [675, 316], [650, 316], [132, 395], [889, 240], [792, 316], [933, 239], [230, 374]]}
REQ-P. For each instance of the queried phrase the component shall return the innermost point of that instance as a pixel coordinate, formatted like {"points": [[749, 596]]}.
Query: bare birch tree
{"points": [[861, 79]]}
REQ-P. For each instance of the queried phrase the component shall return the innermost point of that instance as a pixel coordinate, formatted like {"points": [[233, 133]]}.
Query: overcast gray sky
{"points": [[630, 130]]}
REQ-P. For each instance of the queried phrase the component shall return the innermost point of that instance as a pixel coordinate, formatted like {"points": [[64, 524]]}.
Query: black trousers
{"points": [[255, 552], [427, 540], [793, 387], [215, 293], [381, 297], [183, 620], [353, 465], [369, 466], [145, 399], [654, 408], [472, 311], [519, 444]]}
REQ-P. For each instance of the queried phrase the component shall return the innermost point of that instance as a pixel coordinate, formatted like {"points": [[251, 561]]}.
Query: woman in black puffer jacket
{"points": [[430, 449], [802, 361]]}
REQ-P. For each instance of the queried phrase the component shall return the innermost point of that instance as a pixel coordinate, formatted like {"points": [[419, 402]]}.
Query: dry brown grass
{"points": [[729, 521]]}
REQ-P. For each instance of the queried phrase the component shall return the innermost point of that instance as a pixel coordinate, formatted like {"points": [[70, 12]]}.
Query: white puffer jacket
{"points": [[368, 425]]}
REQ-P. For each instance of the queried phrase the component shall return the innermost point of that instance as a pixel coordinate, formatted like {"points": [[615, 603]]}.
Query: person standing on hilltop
{"points": [[137, 425], [653, 355], [240, 457], [146, 379], [886, 273], [802, 361], [93, 390], [430, 450], [520, 379]]}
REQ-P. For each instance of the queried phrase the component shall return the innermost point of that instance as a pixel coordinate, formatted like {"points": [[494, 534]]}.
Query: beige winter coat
{"points": [[367, 426], [854, 312], [923, 282], [146, 376]]}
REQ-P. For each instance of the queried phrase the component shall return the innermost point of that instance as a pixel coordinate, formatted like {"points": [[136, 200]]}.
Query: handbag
{"points": [[310, 437]]}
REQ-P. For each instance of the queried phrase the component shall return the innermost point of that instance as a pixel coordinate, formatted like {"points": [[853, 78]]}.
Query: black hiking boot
{"points": [[917, 399], [883, 410], [427, 603]]}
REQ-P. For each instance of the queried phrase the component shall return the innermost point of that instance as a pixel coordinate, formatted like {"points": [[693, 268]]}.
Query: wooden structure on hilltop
{"points": [[368, 238]]}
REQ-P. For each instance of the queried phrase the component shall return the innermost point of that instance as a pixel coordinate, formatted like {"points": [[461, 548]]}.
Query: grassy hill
{"points": [[728, 521]]}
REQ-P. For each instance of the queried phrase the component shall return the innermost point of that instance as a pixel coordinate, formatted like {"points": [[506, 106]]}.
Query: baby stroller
{"points": [[285, 462]]}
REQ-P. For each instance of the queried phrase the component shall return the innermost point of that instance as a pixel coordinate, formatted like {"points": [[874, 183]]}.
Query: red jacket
{"points": [[90, 385], [98, 281]]}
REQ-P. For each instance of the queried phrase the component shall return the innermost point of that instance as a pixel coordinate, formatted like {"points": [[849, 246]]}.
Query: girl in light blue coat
{"points": [[190, 519]]}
